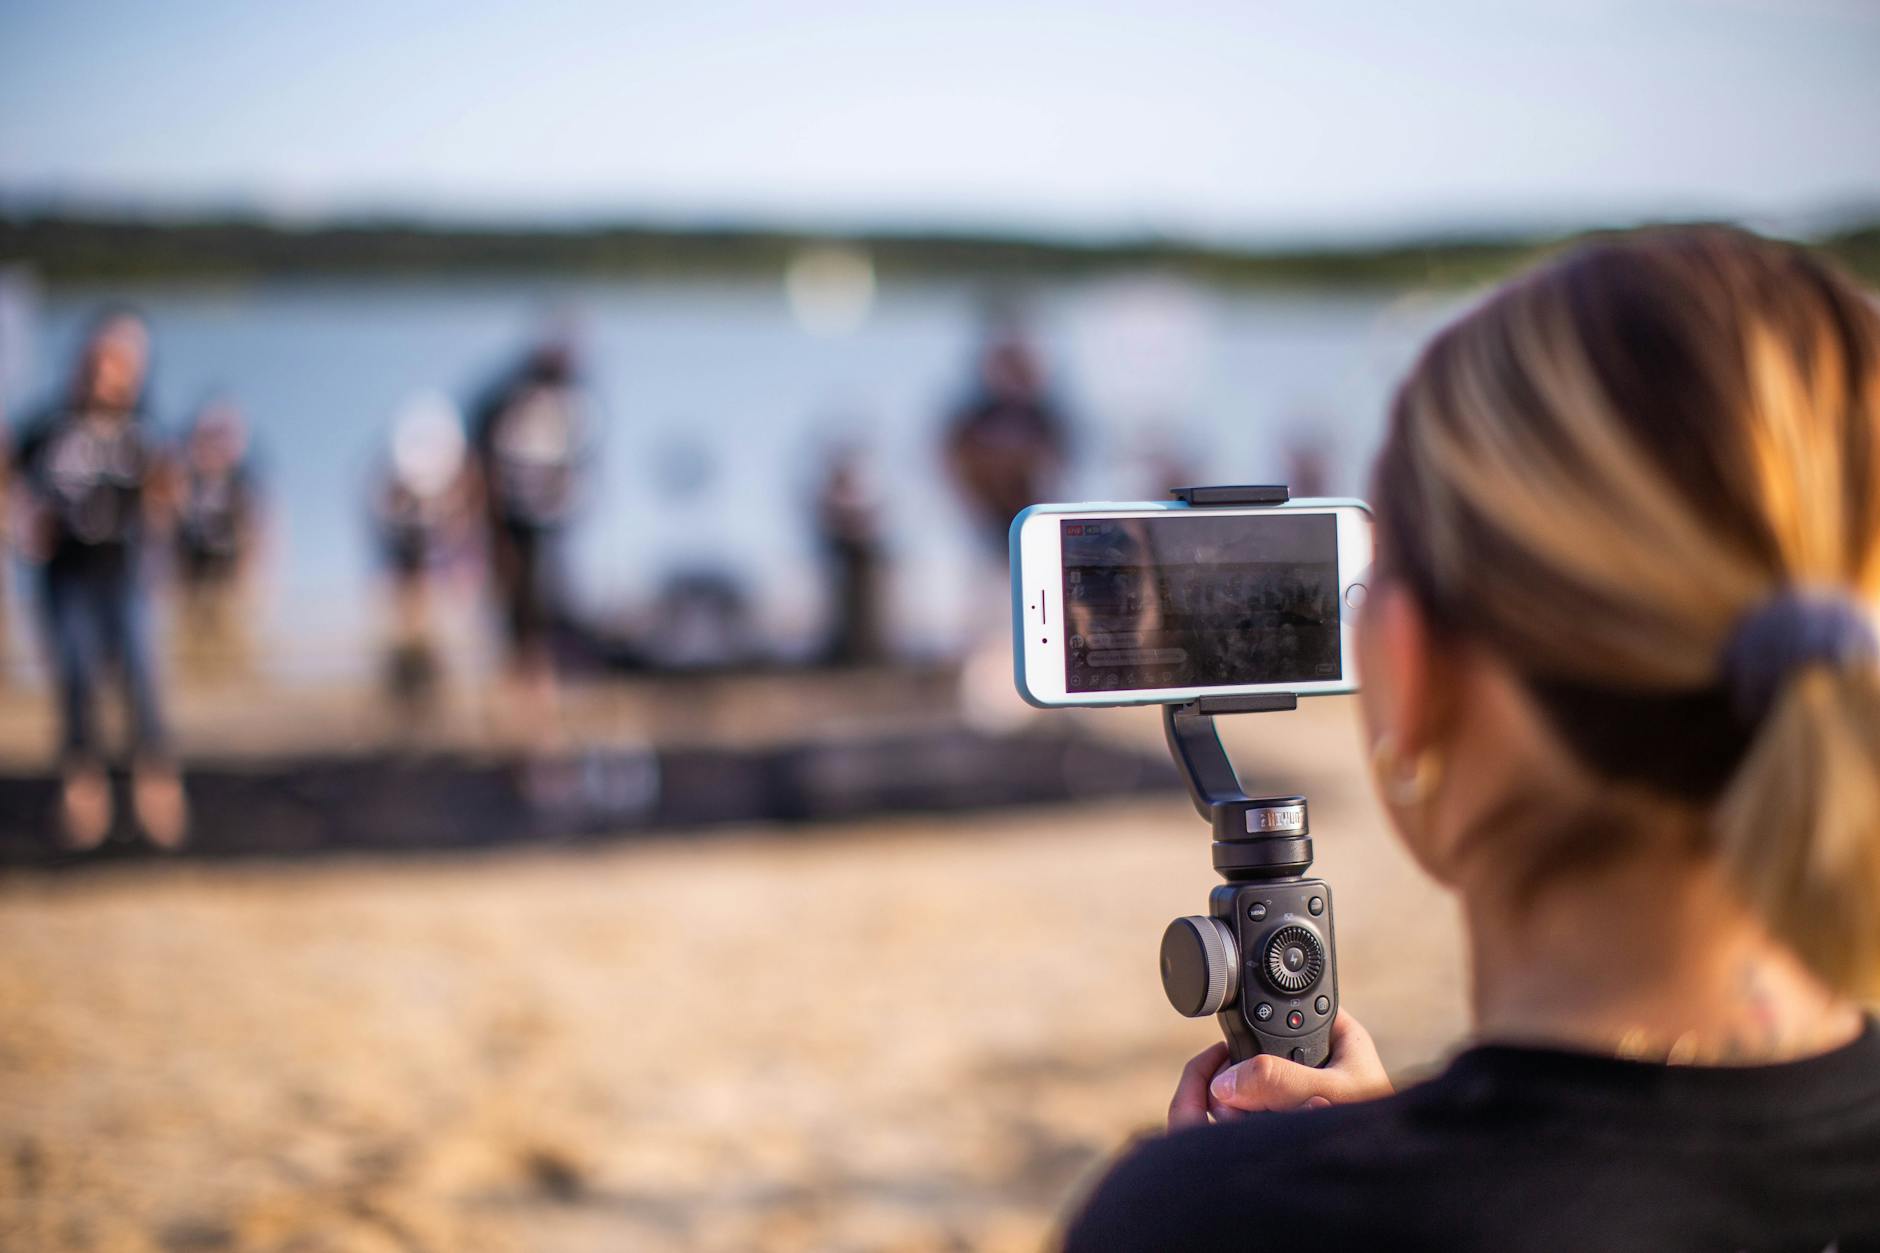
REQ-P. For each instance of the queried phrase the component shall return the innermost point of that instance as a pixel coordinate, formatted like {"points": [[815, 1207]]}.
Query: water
{"points": [[717, 402]]}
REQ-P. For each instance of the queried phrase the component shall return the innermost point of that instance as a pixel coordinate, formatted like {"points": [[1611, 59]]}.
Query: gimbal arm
{"points": [[1196, 744], [1264, 836]]}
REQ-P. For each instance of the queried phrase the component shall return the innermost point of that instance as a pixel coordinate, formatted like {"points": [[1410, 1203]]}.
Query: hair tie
{"points": [[1790, 631]]}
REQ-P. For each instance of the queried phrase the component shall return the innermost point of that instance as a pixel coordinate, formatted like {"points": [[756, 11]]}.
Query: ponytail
{"points": [[1798, 827]]}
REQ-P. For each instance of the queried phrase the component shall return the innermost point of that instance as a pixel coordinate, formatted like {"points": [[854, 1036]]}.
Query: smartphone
{"points": [[1157, 602]]}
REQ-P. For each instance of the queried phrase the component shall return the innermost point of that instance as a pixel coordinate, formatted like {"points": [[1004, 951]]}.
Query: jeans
{"points": [[94, 620]]}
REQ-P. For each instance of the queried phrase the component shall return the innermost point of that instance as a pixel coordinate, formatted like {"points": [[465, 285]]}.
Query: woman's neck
{"points": [[1655, 959]]}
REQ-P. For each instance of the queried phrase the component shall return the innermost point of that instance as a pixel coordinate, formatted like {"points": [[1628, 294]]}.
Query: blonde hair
{"points": [[1601, 473]]}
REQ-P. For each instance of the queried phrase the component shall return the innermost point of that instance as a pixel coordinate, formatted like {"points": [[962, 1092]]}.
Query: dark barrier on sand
{"points": [[391, 803]]}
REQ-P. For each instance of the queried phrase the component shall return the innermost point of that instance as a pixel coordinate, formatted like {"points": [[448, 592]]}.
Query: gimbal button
{"points": [[1323, 1004], [1316, 905], [1257, 911], [1263, 1011], [1295, 1020]]}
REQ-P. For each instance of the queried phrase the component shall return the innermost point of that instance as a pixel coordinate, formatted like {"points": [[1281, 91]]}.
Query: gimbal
{"points": [[1261, 960]]}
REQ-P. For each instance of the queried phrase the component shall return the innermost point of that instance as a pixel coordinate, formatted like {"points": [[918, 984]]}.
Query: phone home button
{"points": [[1354, 595]]}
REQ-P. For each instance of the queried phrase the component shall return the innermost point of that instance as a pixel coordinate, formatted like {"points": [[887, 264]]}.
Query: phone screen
{"points": [[1199, 600]]}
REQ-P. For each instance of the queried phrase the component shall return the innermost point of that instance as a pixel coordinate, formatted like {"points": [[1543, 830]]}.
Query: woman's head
{"points": [[114, 362], [1597, 483]]}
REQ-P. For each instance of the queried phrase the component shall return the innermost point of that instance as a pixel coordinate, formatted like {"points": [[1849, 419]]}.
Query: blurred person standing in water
{"points": [[848, 526], [1006, 449], [1006, 446], [529, 436], [1308, 463], [218, 528], [19, 307], [98, 486], [421, 515], [9, 473]]}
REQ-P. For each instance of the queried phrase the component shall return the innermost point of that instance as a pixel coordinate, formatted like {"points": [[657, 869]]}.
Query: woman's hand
{"points": [[1273, 1083]]}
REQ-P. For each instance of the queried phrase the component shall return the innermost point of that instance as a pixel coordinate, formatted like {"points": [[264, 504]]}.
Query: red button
{"points": [[1295, 1020]]}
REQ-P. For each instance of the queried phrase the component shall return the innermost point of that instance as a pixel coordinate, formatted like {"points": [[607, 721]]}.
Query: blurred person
{"points": [[703, 615], [1308, 464], [19, 315], [98, 486], [1006, 446], [9, 499], [848, 526], [701, 618], [529, 437], [422, 514], [218, 528], [1622, 692], [1120, 605]]}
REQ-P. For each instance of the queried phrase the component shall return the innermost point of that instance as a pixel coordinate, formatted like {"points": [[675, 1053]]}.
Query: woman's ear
{"points": [[1406, 695]]}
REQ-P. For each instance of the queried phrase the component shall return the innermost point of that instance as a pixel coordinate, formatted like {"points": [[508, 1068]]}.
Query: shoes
{"points": [[161, 808], [157, 802], [84, 808]]}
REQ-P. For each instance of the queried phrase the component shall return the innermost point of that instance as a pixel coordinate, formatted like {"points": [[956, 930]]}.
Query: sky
{"points": [[1250, 120]]}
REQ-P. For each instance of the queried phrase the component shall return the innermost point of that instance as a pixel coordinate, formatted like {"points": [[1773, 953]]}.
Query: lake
{"points": [[718, 402]]}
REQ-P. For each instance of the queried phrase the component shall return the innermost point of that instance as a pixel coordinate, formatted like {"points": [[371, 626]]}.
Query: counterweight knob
{"points": [[1199, 964]]}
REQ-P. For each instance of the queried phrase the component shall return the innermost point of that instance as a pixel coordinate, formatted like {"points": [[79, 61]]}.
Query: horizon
{"points": [[1808, 225]]}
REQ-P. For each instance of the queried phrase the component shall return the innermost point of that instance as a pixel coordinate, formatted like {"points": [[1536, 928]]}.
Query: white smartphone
{"points": [[1156, 602]]}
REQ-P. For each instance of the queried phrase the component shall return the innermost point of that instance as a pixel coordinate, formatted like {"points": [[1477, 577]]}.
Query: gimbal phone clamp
{"points": [[1261, 960]]}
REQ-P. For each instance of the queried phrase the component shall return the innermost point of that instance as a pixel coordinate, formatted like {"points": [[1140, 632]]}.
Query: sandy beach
{"points": [[910, 1034]]}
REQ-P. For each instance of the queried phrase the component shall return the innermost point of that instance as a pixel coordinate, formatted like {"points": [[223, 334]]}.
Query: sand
{"points": [[908, 1034]]}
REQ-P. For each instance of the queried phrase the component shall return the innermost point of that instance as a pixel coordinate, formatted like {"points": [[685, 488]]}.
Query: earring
{"points": [[1405, 790]]}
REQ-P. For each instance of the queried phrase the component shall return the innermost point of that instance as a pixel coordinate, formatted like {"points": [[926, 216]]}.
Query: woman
{"points": [[98, 484], [1622, 691]]}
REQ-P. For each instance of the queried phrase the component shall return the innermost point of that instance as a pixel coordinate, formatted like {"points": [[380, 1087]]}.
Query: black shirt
{"points": [[1518, 1148], [1010, 444], [530, 439], [213, 524], [90, 471]]}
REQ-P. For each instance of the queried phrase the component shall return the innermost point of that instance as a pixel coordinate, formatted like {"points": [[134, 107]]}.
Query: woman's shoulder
{"points": [[1523, 1148], [1265, 1180]]}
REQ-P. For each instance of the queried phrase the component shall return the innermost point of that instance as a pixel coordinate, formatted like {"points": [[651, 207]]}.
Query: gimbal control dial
{"points": [[1200, 962], [1294, 959]]}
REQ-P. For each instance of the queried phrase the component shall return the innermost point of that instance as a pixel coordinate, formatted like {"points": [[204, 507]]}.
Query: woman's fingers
{"points": [[1273, 1083], [1212, 1090], [1223, 1113], [1350, 1040], [1354, 1055], [1355, 1073], [1189, 1108]]}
